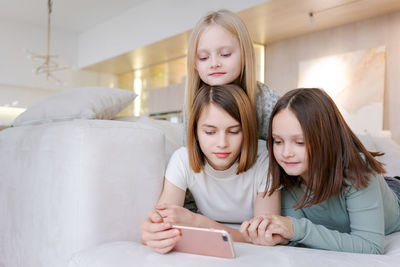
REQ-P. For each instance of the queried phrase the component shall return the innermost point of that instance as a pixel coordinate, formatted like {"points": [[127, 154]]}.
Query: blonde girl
{"points": [[220, 51]]}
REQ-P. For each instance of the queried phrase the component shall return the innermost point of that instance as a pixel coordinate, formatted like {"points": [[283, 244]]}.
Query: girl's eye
{"points": [[277, 141], [300, 142], [234, 132], [203, 58], [209, 132], [226, 55]]}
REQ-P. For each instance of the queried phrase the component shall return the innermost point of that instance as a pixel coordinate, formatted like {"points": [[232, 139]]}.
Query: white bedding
{"points": [[128, 254]]}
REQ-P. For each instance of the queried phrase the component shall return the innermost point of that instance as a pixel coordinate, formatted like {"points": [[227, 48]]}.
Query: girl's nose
{"points": [[215, 63], [287, 151], [222, 140]]}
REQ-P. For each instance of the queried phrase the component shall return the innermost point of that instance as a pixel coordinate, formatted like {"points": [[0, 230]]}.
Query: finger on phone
{"points": [[162, 246], [167, 234], [158, 227]]}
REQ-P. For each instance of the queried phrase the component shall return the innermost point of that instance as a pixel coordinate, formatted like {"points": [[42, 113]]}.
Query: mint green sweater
{"points": [[353, 221]]}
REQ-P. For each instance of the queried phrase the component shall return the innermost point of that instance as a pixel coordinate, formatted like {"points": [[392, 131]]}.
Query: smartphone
{"points": [[204, 241]]}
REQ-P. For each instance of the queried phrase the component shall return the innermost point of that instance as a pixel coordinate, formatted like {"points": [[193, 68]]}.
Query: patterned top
{"points": [[265, 102]]}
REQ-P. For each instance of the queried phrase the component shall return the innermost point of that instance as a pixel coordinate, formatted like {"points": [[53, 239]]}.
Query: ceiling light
{"points": [[49, 65]]}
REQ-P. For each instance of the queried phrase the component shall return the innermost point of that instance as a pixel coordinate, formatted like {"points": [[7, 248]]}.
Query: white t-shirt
{"points": [[222, 196]]}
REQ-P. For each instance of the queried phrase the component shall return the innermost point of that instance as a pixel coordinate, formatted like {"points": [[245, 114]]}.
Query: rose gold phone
{"points": [[204, 241]]}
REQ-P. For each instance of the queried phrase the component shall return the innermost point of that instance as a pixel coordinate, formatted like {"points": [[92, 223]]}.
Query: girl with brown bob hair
{"points": [[232, 99], [224, 166], [334, 196]]}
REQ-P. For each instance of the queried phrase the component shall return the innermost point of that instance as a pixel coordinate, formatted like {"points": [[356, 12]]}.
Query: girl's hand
{"points": [[158, 234], [280, 225], [264, 230], [255, 231], [174, 214]]}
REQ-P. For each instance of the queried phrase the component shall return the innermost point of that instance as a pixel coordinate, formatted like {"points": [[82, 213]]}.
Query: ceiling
{"points": [[281, 19], [269, 22], [86, 13]]}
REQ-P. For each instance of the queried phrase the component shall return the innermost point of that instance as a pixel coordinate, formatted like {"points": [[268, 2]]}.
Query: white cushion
{"points": [[77, 103]]}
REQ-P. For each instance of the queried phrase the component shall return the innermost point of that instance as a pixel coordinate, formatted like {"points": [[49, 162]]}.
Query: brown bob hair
{"points": [[334, 151], [235, 102]]}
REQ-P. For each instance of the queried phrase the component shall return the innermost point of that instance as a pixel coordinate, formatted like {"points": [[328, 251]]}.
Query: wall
{"points": [[282, 58], [132, 29], [19, 83], [15, 65], [150, 22]]}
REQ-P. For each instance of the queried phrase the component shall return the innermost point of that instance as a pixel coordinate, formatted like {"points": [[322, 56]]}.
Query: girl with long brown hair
{"points": [[334, 196]]}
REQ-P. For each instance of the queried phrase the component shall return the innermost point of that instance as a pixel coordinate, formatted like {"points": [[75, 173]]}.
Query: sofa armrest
{"points": [[70, 185]]}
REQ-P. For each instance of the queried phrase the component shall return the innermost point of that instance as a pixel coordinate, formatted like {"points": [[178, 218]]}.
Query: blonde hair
{"points": [[235, 102], [234, 24]]}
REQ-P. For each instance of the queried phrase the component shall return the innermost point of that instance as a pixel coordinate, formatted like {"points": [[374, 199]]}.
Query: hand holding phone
{"points": [[204, 241]]}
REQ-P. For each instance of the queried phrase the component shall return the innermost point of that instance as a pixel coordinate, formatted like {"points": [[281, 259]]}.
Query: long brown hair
{"points": [[235, 102], [235, 25], [334, 151]]}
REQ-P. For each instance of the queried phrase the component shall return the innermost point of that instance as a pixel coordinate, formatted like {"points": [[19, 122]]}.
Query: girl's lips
{"points": [[222, 155], [216, 74], [290, 163]]}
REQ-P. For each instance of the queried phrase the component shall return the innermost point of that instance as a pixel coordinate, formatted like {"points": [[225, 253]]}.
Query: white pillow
{"points": [[366, 140], [391, 157], [77, 103]]}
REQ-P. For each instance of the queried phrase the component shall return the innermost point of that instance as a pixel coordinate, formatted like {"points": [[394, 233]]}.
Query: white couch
{"points": [[73, 193]]}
